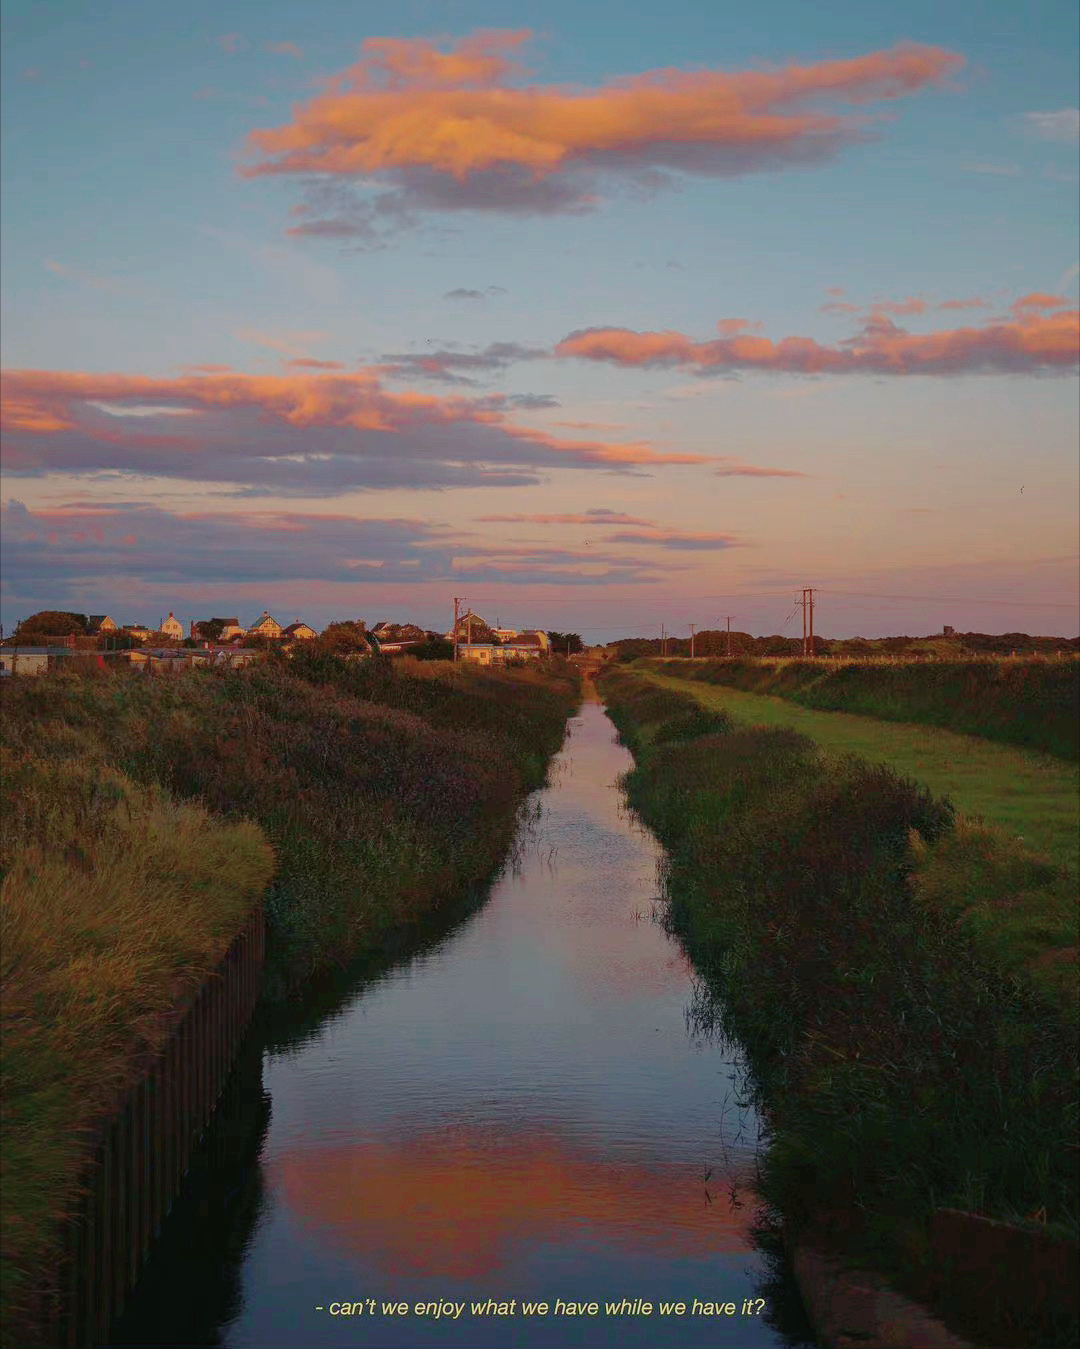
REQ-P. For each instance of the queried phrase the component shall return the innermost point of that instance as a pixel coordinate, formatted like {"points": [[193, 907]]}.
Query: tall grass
{"points": [[143, 817], [381, 789], [116, 901], [900, 1065], [1035, 703]]}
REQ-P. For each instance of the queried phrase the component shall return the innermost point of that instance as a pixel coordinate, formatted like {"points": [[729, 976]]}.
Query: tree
{"points": [[211, 630], [52, 623], [566, 643], [435, 647], [342, 639]]}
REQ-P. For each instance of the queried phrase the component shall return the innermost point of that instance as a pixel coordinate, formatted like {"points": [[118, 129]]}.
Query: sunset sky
{"points": [[610, 316]]}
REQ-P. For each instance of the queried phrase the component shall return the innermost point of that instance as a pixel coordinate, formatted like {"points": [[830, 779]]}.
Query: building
{"points": [[265, 626], [230, 628], [172, 627], [98, 624], [25, 660], [136, 631], [395, 638], [302, 632]]}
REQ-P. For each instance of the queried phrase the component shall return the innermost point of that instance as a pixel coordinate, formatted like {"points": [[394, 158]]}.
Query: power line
{"points": [[948, 599]]}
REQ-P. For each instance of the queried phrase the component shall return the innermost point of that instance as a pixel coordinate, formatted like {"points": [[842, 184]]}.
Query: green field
{"points": [[1031, 795]]}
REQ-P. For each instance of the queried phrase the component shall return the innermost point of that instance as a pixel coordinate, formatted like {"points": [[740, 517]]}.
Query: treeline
{"points": [[1035, 704], [716, 642], [144, 818], [901, 1062]]}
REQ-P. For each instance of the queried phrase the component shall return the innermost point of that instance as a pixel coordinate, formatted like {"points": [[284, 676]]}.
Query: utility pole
{"points": [[663, 641], [458, 599], [807, 611], [729, 617], [691, 641]]}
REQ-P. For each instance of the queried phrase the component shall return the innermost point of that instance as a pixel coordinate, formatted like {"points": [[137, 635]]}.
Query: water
{"points": [[521, 1113]]}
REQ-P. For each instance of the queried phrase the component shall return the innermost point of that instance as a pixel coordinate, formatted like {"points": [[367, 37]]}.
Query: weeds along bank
{"points": [[1035, 703], [380, 787], [905, 1062], [144, 817]]}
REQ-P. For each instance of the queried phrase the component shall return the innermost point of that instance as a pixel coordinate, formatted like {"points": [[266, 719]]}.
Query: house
{"points": [[300, 632], [265, 626], [136, 631], [172, 627], [230, 628], [506, 634], [394, 638], [24, 660], [100, 623], [483, 653], [528, 646]]}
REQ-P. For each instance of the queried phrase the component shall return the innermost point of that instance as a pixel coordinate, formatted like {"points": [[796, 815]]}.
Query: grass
{"points": [[1035, 796], [1034, 703], [877, 956], [116, 901], [143, 817]]}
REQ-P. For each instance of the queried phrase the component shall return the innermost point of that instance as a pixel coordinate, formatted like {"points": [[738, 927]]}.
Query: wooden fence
{"points": [[144, 1151]]}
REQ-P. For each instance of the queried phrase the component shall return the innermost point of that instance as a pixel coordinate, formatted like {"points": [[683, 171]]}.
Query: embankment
{"points": [[903, 1070], [1034, 703], [144, 818]]}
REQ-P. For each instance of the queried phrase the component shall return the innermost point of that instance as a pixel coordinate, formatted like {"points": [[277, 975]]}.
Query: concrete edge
{"points": [[856, 1309]]}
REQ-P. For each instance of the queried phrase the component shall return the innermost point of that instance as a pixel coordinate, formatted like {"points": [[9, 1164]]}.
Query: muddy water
{"points": [[520, 1114]]}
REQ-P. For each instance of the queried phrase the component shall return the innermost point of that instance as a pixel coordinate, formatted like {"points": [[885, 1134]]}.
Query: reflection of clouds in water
{"points": [[457, 1201]]}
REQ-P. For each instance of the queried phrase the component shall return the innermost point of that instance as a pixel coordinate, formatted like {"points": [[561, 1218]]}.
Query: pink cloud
{"points": [[1027, 342], [230, 43], [446, 130], [299, 430], [285, 49], [594, 517]]}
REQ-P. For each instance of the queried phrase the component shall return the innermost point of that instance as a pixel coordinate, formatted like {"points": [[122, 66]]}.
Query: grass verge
{"points": [[1026, 794], [116, 901], [143, 817], [1034, 703], [904, 1060]]}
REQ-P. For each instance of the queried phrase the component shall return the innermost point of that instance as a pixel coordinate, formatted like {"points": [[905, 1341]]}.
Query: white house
{"points": [[99, 623], [23, 660], [172, 627]]}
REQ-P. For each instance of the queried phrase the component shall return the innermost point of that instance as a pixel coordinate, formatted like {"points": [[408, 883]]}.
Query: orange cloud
{"points": [[445, 129], [1028, 342], [349, 421]]}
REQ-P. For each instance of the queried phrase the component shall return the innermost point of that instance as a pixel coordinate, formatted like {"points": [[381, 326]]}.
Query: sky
{"points": [[599, 317]]}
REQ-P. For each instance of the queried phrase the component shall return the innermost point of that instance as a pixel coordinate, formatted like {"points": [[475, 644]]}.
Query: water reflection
{"points": [[517, 1109]]}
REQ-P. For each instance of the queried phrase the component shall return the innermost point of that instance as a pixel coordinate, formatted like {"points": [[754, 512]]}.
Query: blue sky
{"points": [[134, 248]]}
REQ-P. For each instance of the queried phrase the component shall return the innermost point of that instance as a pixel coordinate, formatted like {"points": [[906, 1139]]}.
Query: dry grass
{"points": [[115, 901]]}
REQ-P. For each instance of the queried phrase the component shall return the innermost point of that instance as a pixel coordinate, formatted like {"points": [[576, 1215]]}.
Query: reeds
{"points": [[853, 933]]}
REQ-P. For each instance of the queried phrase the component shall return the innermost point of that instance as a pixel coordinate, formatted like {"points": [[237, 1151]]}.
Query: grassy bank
{"points": [[143, 817], [1035, 703], [116, 902], [901, 1064], [1027, 794]]}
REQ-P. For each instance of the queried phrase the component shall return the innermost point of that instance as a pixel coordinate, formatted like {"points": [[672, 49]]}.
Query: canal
{"points": [[523, 1112]]}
